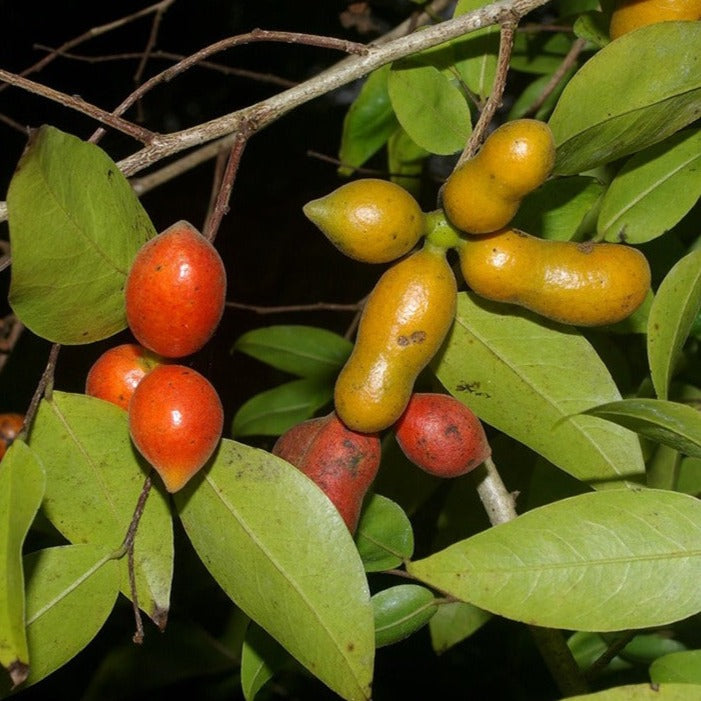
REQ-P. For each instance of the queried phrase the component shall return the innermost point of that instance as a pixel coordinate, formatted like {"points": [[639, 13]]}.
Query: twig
{"points": [[221, 205], [506, 44], [94, 32], [9, 339], [567, 62], [155, 24], [44, 387], [316, 307], [601, 662], [80, 105]]}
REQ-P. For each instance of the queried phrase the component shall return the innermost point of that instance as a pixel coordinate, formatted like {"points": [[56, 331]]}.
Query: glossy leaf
{"points": [[406, 161], [476, 54], [670, 423], [601, 561], [384, 536], [70, 592], [368, 124], [653, 190], [557, 209], [21, 491], [93, 482], [305, 351], [517, 373], [633, 109], [644, 692], [279, 549], [400, 611], [672, 314], [261, 658], [453, 623], [272, 412], [677, 668], [430, 108], [75, 226]]}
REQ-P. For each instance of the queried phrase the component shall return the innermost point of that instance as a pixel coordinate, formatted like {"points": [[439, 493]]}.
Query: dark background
{"points": [[273, 255]]}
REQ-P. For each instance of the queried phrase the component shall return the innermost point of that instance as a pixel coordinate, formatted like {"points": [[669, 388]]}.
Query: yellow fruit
{"points": [[483, 194], [584, 284], [632, 14], [370, 220], [405, 320]]}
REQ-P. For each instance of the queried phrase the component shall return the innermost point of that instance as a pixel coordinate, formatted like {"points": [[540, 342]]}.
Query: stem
{"points": [[45, 386]]}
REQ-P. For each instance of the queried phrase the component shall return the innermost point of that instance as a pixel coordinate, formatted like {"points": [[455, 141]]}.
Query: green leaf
{"points": [[677, 668], [406, 161], [523, 104], [644, 692], [653, 190], [611, 108], [70, 592], [369, 122], [453, 623], [272, 412], [75, 226], [592, 26], [601, 561], [670, 423], [21, 491], [401, 611], [261, 658], [430, 108], [557, 209], [93, 483], [476, 54], [539, 52], [672, 314], [279, 549], [305, 351], [529, 379], [384, 536]]}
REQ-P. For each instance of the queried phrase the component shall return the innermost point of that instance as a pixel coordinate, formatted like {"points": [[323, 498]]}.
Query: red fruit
{"points": [[175, 420], [343, 463], [175, 292], [10, 426], [441, 435], [116, 373]]}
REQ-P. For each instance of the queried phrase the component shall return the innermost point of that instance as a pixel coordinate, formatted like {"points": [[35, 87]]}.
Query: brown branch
{"points": [[153, 34], [601, 662], [221, 205], [44, 387], [316, 307], [91, 33], [568, 62], [80, 105]]}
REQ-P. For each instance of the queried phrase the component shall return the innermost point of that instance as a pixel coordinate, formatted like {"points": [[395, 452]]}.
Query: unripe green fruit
{"points": [[370, 220], [343, 463]]}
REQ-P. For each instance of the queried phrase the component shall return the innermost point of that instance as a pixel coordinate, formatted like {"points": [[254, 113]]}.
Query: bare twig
{"points": [[155, 24], [567, 63], [601, 662], [45, 386], [316, 307]]}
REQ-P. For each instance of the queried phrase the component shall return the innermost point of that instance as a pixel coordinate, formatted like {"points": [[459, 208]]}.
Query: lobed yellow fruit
{"points": [[584, 284], [628, 15], [404, 323], [483, 194], [370, 220]]}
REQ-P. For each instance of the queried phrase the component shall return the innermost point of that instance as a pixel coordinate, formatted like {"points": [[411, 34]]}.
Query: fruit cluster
{"points": [[409, 312], [174, 295]]}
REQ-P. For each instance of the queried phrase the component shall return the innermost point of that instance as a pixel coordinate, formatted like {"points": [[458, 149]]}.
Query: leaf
{"points": [[539, 52], [93, 482], [532, 93], [369, 122], [611, 108], [557, 209], [453, 623], [21, 491], [530, 379], [644, 692], [305, 351], [272, 412], [70, 592], [476, 54], [75, 226], [601, 561], [406, 161], [677, 667], [653, 190], [400, 611], [672, 314], [429, 107], [279, 549], [384, 536], [261, 658], [670, 423]]}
